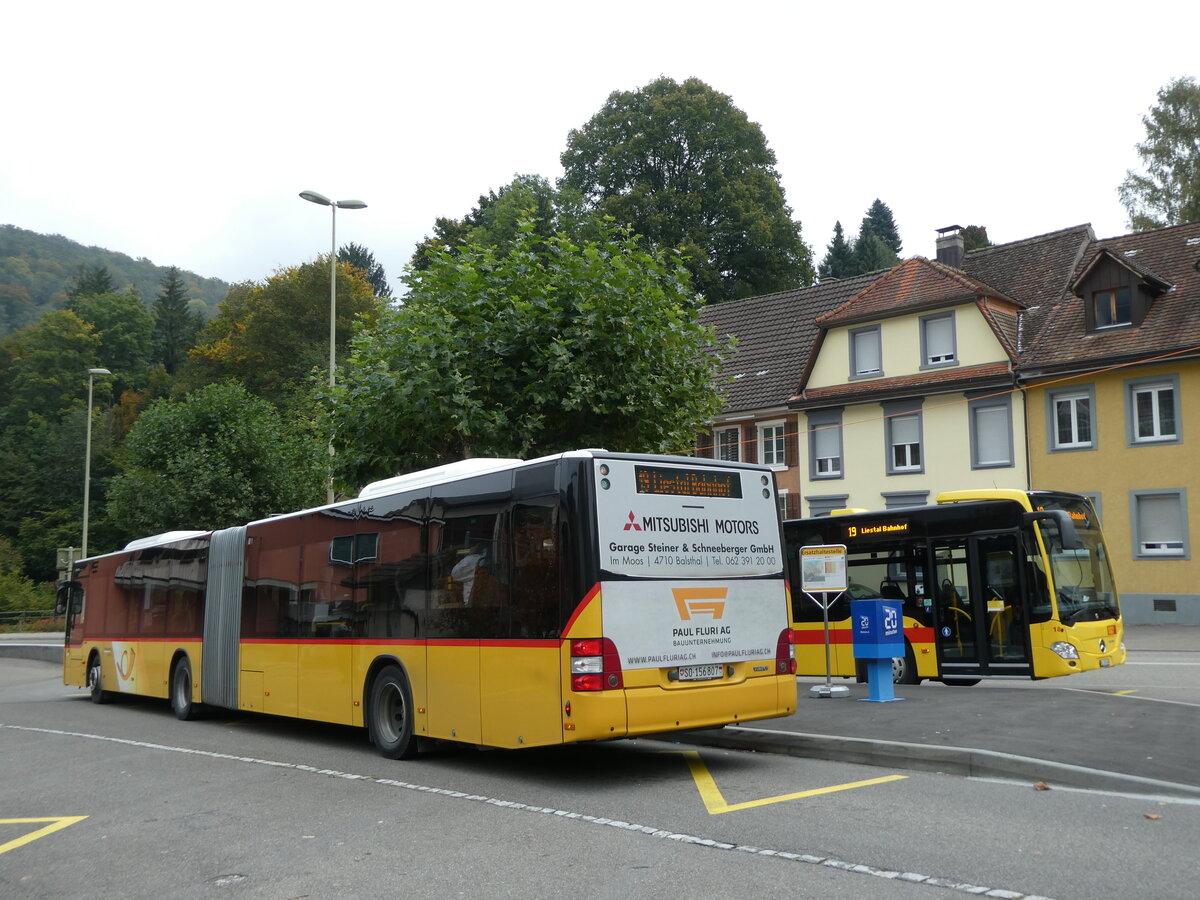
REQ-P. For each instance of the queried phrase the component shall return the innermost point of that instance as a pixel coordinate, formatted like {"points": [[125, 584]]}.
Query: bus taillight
{"points": [[785, 653], [595, 665]]}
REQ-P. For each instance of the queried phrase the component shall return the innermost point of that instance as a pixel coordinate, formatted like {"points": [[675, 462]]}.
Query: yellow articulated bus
{"points": [[502, 603], [994, 583]]}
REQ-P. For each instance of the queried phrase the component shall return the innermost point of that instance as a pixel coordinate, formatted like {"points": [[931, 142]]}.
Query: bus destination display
{"points": [[687, 482]]}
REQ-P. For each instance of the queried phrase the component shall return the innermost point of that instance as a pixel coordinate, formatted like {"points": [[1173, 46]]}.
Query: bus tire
{"points": [[95, 680], [389, 714], [181, 691], [960, 682], [904, 668]]}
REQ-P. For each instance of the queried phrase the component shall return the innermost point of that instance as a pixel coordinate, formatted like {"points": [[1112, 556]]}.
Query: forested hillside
{"points": [[36, 269]]}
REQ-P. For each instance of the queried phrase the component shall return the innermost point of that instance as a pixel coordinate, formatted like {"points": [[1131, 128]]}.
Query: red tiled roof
{"points": [[913, 285]]}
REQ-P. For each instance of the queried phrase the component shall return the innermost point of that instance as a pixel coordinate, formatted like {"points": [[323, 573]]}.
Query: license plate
{"points": [[1104, 661], [700, 673]]}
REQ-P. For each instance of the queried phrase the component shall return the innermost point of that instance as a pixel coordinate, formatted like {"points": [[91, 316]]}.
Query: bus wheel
{"points": [[960, 682], [904, 668], [99, 695], [181, 691], [389, 721]]}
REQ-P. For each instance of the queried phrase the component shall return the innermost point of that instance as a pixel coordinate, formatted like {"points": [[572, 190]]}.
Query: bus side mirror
{"points": [[1067, 534]]}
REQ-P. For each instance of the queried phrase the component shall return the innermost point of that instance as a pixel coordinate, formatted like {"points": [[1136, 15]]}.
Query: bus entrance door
{"points": [[954, 615], [980, 618], [1000, 605]]}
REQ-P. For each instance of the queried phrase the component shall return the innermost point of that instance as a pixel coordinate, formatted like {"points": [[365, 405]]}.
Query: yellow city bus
{"points": [[994, 583], [502, 603]]}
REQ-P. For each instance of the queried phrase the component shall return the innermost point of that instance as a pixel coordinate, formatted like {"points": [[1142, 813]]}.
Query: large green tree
{"points": [[1167, 192], [685, 168], [272, 335], [218, 457], [546, 346], [495, 218], [125, 329]]}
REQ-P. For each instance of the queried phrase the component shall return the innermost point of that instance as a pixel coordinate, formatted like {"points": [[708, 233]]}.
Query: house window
{"points": [[937, 340], [781, 500], [1152, 409], [1159, 524], [991, 432], [825, 443], [770, 442], [728, 442], [866, 352], [904, 441], [1113, 308], [1070, 421]]}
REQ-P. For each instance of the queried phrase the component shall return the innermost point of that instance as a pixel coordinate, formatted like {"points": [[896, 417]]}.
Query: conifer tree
{"points": [[870, 253], [175, 325], [839, 257], [884, 225], [89, 282]]}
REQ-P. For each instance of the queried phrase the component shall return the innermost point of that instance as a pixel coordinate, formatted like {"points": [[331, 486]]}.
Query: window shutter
{"points": [[791, 447], [704, 443], [750, 443]]}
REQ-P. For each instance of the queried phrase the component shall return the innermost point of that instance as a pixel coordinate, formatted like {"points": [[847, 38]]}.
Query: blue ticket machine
{"points": [[878, 630]]}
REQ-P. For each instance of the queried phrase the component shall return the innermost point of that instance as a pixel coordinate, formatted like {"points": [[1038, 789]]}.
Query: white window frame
{"points": [[772, 448], [1154, 388], [1073, 396], [1158, 546], [937, 361]]}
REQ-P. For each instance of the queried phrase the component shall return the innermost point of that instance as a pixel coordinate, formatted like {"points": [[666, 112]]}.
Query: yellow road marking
{"points": [[1124, 692], [57, 823], [714, 800]]}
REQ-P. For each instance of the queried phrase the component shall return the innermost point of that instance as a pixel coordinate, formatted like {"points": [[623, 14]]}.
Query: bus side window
{"points": [[537, 570]]}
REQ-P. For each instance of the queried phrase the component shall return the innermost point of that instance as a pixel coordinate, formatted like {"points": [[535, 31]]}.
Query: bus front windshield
{"points": [[1083, 581]]}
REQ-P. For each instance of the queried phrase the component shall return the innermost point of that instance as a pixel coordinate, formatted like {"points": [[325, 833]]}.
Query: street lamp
{"points": [[87, 459], [334, 206]]}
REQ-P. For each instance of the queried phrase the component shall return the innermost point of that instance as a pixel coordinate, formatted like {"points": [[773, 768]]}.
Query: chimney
{"points": [[950, 246]]}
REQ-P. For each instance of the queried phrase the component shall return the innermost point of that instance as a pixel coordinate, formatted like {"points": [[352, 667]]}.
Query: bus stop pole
{"points": [[828, 689]]}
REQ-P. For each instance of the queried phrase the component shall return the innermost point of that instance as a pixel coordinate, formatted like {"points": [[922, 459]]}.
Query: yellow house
{"points": [[1112, 379], [909, 391]]}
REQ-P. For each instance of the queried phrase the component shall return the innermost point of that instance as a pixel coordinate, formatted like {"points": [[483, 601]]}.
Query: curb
{"points": [[965, 761], [46, 652]]}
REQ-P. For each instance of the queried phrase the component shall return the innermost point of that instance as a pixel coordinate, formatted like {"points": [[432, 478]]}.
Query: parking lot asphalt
{"points": [[1080, 737]]}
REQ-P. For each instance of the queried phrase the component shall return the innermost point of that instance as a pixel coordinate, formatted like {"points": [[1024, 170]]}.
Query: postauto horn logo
{"points": [[700, 601]]}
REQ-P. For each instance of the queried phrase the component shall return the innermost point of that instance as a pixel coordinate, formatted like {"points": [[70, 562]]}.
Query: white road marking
{"points": [[648, 830]]}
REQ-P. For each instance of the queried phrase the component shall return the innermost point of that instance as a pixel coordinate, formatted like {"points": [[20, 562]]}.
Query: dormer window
{"points": [[1113, 308]]}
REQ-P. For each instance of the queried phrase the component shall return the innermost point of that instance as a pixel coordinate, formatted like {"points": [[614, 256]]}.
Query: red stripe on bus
{"points": [[591, 595], [918, 634], [410, 642]]}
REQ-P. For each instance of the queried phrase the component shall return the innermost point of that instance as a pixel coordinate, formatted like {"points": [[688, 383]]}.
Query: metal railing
{"points": [[31, 620]]}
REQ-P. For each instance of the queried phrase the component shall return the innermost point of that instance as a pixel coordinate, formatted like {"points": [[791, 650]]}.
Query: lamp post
{"points": [[334, 206], [87, 460]]}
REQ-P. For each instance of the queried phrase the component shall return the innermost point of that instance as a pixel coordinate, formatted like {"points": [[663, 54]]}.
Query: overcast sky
{"points": [[184, 132]]}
